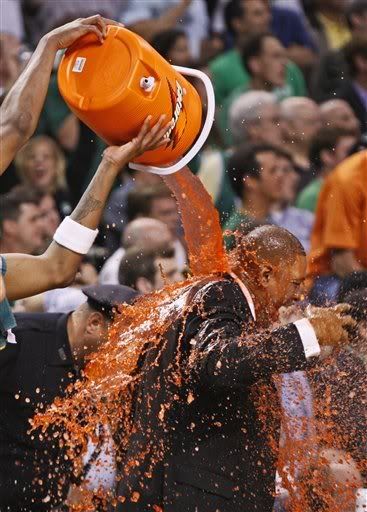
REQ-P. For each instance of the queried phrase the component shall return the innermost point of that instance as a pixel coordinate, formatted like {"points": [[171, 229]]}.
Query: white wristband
{"points": [[74, 236]]}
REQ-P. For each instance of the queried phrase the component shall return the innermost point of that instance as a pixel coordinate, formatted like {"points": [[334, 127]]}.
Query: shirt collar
{"points": [[246, 293]]}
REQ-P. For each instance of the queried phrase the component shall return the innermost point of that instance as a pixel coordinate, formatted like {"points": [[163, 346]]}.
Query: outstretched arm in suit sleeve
{"points": [[226, 348]]}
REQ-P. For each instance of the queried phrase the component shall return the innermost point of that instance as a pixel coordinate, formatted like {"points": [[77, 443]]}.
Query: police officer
{"points": [[47, 354]]}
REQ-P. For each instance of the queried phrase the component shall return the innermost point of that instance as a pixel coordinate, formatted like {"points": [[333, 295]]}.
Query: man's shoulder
{"points": [[42, 322], [219, 292], [225, 61], [351, 171]]}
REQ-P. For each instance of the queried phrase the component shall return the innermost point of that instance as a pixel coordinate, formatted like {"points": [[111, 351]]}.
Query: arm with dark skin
{"points": [[28, 275], [22, 106]]}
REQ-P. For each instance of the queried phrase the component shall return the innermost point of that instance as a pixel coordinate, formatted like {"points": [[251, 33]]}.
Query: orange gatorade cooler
{"points": [[112, 87]]}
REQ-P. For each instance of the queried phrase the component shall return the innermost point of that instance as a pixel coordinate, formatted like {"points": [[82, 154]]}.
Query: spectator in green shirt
{"points": [[256, 179], [263, 58], [244, 19], [329, 147]]}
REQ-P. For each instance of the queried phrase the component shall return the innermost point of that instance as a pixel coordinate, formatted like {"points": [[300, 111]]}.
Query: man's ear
{"points": [[143, 285], [95, 323], [250, 183], [327, 157], [253, 65], [236, 25], [265, 274], [9, 227]]}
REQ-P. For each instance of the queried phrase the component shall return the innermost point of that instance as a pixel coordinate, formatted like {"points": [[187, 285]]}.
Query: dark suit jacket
{"points": [[199, 442], [349, 94]]}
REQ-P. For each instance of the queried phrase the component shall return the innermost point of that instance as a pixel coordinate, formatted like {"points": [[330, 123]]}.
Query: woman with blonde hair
{"points": [[41, 165]]}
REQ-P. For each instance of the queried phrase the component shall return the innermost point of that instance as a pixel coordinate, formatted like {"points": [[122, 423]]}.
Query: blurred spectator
{"points": [[265, 61], [256, 181], [332, 69], [158, 203], [340, 387], [245, 20], [287, 25], [329, 147], [339, 114], [115, 216], [264, 180], [62, 300], [291, 29], [352, 282], [331, 482], [149, 17], [41, 16], [339, 238], [174, 46], [254, 118], [330, 23], [300, 120], [22, 227], [10, 62], [283, 213], [41, 165], [11, 19], [142, 233], [149, 270], [354, 90]]}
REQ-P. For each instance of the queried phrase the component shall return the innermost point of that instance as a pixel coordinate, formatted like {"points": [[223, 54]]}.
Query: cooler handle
{"points": [[163, 171]]}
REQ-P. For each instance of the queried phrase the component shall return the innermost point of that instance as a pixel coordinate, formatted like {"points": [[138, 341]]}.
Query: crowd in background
{"points": [[288, 145]]}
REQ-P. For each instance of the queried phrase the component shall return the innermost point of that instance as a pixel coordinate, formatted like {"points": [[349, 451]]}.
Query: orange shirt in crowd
{"points": [[341, 215]]}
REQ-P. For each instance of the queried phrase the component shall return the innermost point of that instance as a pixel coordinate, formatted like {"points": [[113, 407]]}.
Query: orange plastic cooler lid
{"points": [[115, 61]]}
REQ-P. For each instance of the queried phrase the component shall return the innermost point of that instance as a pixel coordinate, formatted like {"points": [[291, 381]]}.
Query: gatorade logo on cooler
{"points": [[177, 108]]}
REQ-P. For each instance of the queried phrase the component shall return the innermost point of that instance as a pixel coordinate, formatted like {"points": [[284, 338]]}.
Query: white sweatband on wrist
{"points": [[74, 236]]}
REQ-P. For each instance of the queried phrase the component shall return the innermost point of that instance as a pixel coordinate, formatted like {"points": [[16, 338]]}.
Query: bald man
{"points": [[203, 436], [339, 114], [143, 233], [300, 121]]}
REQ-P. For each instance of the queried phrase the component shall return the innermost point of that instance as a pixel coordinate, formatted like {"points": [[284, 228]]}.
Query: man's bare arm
{"points": [[22, 106], [29, 275]]}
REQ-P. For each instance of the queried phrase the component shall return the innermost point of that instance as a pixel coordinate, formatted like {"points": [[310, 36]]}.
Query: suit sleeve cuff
{"points": [[308, 337]]}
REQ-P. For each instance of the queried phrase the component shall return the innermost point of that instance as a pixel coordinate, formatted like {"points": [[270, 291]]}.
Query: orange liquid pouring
{"points": [[104, 395]]}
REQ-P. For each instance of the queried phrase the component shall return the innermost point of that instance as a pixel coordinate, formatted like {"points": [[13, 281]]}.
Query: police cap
{"points": [[107, 297]]}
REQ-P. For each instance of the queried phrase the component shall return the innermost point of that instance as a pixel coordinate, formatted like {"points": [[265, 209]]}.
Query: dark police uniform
{"points": [[33, 371]]}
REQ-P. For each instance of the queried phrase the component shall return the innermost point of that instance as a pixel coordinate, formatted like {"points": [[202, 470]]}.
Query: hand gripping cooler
{"points": [[113, 87]]}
